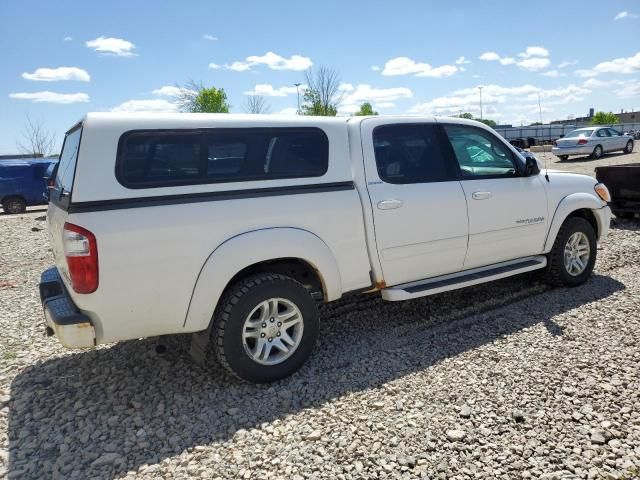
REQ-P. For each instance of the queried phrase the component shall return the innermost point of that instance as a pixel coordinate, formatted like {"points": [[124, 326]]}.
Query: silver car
{"points": [[592, 141]]}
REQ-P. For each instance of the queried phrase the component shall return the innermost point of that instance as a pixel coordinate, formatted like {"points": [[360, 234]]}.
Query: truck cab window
{"points": [[479, 154]]}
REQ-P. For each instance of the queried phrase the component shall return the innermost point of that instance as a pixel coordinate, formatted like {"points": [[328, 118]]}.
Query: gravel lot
{"points": [[506, 380]]}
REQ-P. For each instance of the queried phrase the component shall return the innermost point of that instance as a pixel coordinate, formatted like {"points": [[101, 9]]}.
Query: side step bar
{"points": [[466, 278]]}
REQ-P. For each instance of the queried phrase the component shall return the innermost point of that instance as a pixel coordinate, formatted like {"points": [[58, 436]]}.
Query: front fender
{"points": [[571, 203], [254, 247]]}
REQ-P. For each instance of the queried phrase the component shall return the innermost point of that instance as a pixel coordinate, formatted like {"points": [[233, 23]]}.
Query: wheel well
{"points": [[295, 268], [7, 197], [588, 216]]}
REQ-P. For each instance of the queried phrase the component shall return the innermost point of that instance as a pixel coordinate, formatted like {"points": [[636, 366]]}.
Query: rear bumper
{"points": [[572, 150], [72, 327]]}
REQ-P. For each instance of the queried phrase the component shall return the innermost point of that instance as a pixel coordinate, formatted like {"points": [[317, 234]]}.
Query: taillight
{"points": [[81, 251], [582, 141]]}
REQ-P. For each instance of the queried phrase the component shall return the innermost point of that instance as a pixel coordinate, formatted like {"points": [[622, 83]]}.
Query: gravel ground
{"points": [[586, 165], [500, 381]]}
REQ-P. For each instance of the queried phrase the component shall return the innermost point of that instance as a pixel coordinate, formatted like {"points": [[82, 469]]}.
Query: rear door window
{"points": [[411, 153]]}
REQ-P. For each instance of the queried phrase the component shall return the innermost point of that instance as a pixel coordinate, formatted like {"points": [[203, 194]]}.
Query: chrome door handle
{"points": [[481, 195], [389, 204]]}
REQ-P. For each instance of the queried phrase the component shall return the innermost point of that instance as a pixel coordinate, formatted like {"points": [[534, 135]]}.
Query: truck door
{"points": [[507, 211], [419, 208]]}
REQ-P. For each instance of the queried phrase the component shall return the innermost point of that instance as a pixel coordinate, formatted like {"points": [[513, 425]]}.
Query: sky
{"points": [[59, 60]]}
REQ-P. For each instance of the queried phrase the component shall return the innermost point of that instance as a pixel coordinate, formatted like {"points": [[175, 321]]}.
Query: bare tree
{"points": [[256, 104], [36, 140], [322, 95]]}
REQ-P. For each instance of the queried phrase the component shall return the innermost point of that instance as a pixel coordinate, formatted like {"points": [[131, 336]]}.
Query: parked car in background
{"points": [[232, 227], [592, 141], [24, 183]]}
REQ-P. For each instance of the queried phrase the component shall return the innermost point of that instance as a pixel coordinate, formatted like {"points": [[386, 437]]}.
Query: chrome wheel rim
{"points": [[576, 254], [272, 331], [598, 152]]}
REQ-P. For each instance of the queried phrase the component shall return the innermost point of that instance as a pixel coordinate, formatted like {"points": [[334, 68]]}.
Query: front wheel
{"points": [[265, 327], [629, 147], [14, 205], [573, 255], [563, 157]]}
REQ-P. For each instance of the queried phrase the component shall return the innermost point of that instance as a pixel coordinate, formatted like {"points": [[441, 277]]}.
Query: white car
{"points": [[592, 141], [232, 227]]}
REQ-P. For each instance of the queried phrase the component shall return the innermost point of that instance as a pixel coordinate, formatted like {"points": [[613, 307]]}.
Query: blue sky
{"points": [[59, 60]]}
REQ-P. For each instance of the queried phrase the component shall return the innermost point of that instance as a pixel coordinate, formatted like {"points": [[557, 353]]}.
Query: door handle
{"points": [[481, 195], [389, 204]]}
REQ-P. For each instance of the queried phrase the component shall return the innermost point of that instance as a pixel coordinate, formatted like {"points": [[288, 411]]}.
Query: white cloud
{"points": [[51, 97], [266, 90], [617, 65], [58, 74], [494, 57], [171, 91], [510, 98], [462, 61], [67, 39], [287, 111], [112, 46], [553, 74], [533, 58], [153, 105], [206, 36], [273, 61], [534, 64], [625, 14], [355, 96], [375, 68], [631, 89], [568, 64], [534, 52], [406, 66], [214, 66]]}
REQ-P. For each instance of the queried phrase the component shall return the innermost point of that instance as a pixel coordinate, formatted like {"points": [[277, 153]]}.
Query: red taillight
{"points": [[582, 141], [81, 251]]}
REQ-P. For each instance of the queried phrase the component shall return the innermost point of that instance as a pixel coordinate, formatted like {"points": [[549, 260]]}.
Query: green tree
{"points": [[487, 122], [365, 110], [604, 118], [468, 116], [322, 95], [196, 98]]}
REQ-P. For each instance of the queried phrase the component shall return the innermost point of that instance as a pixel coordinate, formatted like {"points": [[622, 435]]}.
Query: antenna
{"points": [[546, 170]]}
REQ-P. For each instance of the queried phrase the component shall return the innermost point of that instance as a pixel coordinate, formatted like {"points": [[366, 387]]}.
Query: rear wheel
{"points": [[13, 205], [265, 327], [573, 255], [597, 152], [629, 147], [563, 157]]}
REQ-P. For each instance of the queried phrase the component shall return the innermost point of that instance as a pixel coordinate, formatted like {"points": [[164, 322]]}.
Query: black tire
{"points": [[563, 157], [14, 205], [556, 273], [629, 147], [597, 152], [237, 304]]}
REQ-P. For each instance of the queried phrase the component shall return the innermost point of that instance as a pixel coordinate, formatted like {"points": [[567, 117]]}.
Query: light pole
{"points": [[480, 88], [298, 94]]}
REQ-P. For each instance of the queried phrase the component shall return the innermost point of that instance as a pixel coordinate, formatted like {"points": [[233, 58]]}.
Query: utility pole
{"points": [[298, 94], [480, 88]]}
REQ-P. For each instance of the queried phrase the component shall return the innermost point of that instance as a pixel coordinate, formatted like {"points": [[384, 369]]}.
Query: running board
{"points": [[466, 278]]}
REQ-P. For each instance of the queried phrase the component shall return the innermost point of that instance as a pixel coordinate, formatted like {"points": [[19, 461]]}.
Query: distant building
{"points": [[19, 156], [623, 117]]}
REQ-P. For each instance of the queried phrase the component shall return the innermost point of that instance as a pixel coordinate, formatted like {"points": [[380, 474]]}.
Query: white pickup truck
{"points": [[233, 227]]}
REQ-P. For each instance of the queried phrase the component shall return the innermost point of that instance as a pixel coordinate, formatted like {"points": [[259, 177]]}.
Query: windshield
{"points": [[68, 158], [579, 133]]}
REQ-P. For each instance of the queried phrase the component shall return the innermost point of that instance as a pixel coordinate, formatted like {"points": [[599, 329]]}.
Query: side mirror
{"points": [[531, 167]]}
